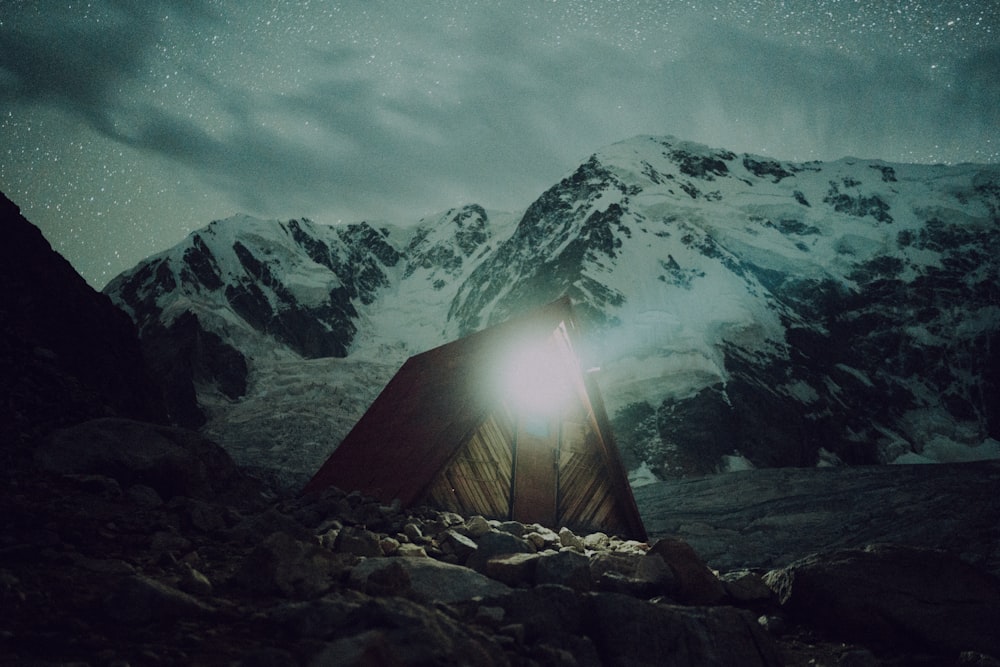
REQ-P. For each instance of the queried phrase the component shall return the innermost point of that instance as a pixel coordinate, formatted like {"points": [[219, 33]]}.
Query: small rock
{"points": [[488, 615], [413, 532], [476, 526], [858, 658], [328, 539], [569, 539], [616, 582], [358, 541], [515, 631], [144, 496], [283, 564], [452, 519], [101, 565], [536, 541], [512, 569], [596, 541], [407, 550], [390, 545], [199, 514], [393, 579], [99, 485], [515, 528], [194, 582], [166, 541], [621, 563], [774, 624]]}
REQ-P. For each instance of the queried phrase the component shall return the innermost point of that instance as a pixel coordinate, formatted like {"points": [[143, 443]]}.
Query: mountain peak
{"points": [[716, 289]]}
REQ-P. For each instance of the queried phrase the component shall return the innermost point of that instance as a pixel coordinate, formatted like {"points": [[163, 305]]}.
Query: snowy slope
{"points": [[785, 314], [744, 311], [324, 316], [409, 316]]}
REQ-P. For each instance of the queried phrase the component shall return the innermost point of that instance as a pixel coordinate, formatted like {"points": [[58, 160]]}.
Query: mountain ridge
{"points": [[854, 298]]}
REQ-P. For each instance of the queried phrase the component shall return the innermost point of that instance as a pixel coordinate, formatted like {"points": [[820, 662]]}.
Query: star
{"points": [[128, 124]]}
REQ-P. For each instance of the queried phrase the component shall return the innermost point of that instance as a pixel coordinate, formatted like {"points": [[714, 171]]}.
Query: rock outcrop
{"points": [[67, 353], [889, 594]]}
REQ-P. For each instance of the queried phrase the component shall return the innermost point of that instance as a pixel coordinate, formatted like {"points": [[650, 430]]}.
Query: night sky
{"points": [[126, 124]]}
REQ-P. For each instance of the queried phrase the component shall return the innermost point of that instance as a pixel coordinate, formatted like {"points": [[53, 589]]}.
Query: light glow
{"points": [[537, 380]]}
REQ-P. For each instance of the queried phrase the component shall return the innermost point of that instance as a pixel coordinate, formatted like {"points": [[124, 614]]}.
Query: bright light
{"points": [[537, 379]]}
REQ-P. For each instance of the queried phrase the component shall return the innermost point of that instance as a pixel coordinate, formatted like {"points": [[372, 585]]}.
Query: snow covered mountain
{"points": [[744, 311]]}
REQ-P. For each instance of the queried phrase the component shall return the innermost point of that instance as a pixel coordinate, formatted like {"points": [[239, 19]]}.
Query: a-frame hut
{"points": [[503, 423]]}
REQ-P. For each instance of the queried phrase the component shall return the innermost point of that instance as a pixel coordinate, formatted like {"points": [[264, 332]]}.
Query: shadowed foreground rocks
{"points": [[104, 563]]}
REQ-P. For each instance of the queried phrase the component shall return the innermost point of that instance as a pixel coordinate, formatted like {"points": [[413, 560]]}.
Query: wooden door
{"points": [[535, 484]]}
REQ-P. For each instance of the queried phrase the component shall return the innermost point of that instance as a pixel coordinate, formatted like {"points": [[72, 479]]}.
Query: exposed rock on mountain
{"points": [[728, 290], [241, 304], [744, 311], [297, 283], [184, 356], [67, 353]]}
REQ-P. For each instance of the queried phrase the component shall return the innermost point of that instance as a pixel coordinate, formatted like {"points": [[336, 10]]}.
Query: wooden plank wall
{"points": [[477, 481], [586, 500]]}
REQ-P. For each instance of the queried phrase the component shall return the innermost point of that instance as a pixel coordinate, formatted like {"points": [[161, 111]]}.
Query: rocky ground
{"points": [[769, 517], [124, 543]]}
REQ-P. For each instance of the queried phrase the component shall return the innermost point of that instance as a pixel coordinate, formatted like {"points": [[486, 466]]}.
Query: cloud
{"points": [[975, 94], [52, 54], [493, 112]]}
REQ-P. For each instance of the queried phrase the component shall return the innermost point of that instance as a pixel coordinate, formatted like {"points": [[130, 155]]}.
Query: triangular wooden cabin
{"points": [[502, 423]]}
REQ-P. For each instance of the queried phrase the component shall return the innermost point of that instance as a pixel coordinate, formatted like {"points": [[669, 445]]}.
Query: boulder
{"points": [[545, 611], [430, 579], [513, 569], [140, 600], [565, 568], [696, 583], [171, 461], [634, 632], [476, 526], [746, 586], [497, 543], [895, 596], [358, 541], [457, 545], [284, 565], [396, 631]]}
